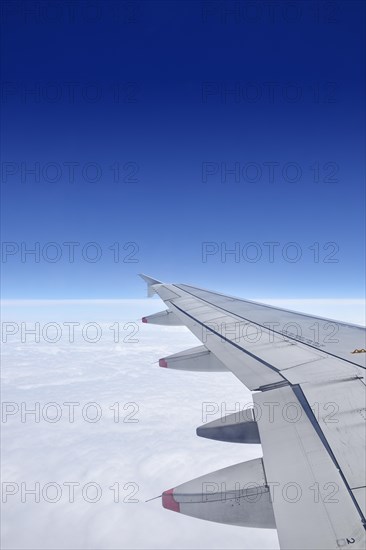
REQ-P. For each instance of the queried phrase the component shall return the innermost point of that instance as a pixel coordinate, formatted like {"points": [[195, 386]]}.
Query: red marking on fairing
{"points": [[169, 502], [163, 363], [144, 319]]}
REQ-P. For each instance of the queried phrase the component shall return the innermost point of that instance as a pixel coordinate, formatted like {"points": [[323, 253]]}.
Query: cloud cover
{"points": [[117, 427]]}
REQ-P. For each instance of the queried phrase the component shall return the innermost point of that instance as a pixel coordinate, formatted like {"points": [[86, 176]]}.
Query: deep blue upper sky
{"points": [[133, 117]]}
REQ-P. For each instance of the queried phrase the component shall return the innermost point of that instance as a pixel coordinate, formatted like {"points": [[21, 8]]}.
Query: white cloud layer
{"points": [[140, 458]]}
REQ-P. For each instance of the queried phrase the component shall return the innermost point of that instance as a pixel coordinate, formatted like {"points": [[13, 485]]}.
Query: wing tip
{"points": [[150, 281]]}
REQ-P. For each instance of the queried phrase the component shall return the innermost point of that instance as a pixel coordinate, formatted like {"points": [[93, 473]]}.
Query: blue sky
{"points": [[164, 126]]}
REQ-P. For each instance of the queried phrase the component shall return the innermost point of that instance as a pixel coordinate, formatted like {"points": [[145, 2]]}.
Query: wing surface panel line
{"points": [[274, 331]]}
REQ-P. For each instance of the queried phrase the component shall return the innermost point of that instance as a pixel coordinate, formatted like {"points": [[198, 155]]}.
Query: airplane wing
{"points": [[307, 378]]}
